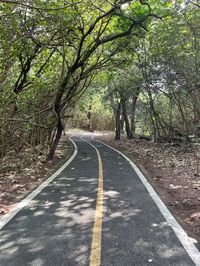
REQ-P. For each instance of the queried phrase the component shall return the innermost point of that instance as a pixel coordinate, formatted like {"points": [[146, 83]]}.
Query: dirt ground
{"points": [[22, 173], [171, 169]]}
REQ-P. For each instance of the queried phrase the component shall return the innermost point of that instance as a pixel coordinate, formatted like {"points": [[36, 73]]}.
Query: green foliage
{"points": [[52, 52]]}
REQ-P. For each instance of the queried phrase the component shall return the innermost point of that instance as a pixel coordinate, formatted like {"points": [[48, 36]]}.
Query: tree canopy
{"points": [[136, 62]]}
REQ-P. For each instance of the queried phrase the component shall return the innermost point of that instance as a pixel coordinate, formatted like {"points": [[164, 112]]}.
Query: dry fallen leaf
{"points": [[4, 210]]}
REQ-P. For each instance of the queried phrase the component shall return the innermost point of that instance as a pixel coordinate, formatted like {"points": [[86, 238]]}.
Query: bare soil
{"points": [[171, 169], [22, 173]]}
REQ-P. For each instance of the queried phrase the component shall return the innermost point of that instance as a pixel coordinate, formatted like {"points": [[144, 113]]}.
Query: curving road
{"points": [[97, 211]]}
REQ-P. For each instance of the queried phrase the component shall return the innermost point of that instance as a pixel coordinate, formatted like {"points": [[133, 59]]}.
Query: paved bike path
{"points": [[56, 228]]}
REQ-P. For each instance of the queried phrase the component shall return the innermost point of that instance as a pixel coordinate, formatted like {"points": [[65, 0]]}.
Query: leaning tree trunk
{"points": [[58, 110], [59, 130], [126, 120]]}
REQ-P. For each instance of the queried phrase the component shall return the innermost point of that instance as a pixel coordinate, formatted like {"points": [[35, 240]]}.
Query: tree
{"points": [[52, 54], [89, 41]]}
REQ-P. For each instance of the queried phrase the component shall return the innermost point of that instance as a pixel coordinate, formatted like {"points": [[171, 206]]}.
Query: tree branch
{"points": [[36, 7]]}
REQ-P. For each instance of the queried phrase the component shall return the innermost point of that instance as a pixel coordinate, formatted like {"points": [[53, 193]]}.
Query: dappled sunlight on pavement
{"points": [[56, 227]]}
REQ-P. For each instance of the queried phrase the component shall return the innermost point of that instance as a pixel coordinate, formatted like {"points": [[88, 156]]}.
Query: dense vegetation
{"points": [[78, 62]]}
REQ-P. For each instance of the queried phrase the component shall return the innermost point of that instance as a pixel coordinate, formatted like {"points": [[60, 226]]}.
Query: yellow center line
{"points": [[95, 254]]}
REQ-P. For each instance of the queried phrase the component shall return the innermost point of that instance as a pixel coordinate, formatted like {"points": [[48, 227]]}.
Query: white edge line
{"points": [[88, 143], [7, 217], [186, 242]]}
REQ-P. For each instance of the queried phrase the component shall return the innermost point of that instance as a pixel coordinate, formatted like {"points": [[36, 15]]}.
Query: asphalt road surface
{"points": [[95, 212]]}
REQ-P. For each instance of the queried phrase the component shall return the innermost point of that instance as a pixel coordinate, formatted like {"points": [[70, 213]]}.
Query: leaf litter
{"points": [[22, 173]]}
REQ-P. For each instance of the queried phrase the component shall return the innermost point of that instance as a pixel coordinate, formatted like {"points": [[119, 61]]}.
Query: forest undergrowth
{"points": [[21, 174]]}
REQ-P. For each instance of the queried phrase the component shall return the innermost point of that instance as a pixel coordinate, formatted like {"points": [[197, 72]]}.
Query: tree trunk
{"points": [[89, 114], [116, 107], [186, 130], [196, 111], [59, 131], [154, 118], [134, 101], [117, 122], [58, 110], [122, 124], [126, 120]]}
